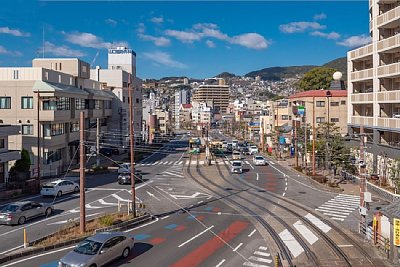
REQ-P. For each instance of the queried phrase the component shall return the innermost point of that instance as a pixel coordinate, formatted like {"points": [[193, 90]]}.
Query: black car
{"points": [[106, 151], [125, 178]]}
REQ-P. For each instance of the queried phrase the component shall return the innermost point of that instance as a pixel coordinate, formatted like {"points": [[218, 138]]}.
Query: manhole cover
{"points": [[302, 192]]}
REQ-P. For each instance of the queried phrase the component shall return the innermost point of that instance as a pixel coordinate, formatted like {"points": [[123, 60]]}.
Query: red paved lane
{"points": [[198, 255]]}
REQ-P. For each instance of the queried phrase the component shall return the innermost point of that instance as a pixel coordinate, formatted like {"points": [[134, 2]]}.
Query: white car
{"points": [[259, 160], [253, 150], [236, 155], [236, 166], [59, 188]]}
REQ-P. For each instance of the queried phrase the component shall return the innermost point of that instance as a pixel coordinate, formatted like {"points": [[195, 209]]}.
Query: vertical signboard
{"points": [[396, 232]]}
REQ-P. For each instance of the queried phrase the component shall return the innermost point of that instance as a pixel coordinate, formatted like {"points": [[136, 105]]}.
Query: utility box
{"points": [[367, 197], [363, 211]]}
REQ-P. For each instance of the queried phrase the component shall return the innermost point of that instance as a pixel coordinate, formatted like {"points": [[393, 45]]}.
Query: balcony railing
{"points": [[389, 96], [389, 70], [362, 97], [388, 16], [362, 51], [389, 43], [392, 123], [362, 74], [361, 120]]}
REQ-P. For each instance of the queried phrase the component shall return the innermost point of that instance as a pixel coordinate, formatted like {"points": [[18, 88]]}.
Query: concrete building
{"points": [[185, 116], [163, 122], [182, 96], [45, 101], [7, 157], [374, 88], [218, 94], [201, 115], [122, 70]]}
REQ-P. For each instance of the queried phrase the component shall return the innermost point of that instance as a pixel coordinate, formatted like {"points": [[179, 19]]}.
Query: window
{"points": [[124, 84], [334, 119], [320, 104], [107, 104], [334, 104], [2, 144], [52, 156], [49, 103], [5, 102], [320, 119], [123, 99], [53, 129], [27, 129], [343, 102], [63, 103], [16, 75], [97, 104], [79, 104], [285, 117], [74, 127], [27, 102], [137, 100]]}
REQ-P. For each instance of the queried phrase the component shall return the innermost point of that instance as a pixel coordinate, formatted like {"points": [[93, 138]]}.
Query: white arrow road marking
{"points": [[103, 202], [74, 219], [195, 195], [152, 195]]}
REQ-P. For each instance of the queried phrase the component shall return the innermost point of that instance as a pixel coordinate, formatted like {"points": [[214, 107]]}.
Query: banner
{"points": [[396, 232]]}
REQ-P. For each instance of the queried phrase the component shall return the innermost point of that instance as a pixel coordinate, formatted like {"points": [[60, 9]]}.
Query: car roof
{"points": [[234, 161], [258, 156], [20, 203], [104, 236]]}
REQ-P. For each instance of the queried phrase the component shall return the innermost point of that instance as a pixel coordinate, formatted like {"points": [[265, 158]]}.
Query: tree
{"points": [[316, 79], [23, 164]]}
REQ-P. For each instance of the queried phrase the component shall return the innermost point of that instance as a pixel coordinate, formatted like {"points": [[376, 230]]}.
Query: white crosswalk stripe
{"points": [[259, 258], [340, 207]]}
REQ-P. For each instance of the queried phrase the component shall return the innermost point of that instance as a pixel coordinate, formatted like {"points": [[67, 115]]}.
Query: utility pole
{"points": [[38, 138], [362, 178], [313, 138], [296, 156], [305, 143], [82, 224], [98, 143], [132, 143], [277, 131]]}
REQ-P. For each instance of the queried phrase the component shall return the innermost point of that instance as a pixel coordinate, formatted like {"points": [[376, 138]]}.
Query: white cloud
{"points": [[64, 50], [164, 59], [14, 32], [157, 20], [354, 41], [86, 39], [4, 51], [210, 43], [111, 22], [300, 26], [141, 28], [331, 35], [158, 41], [320, 16], [210, 30]]}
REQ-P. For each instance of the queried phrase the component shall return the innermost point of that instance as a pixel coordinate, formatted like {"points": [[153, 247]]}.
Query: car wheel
{"points": [[93, 265], [125, 253], [48, 212], [76, 189], [21, 220], [59, 194]]}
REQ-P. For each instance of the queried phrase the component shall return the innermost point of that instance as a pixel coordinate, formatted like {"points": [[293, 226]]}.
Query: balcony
{"points": [[390, 123], [360, 120], [362, 52], [55, 115], [362, 75], [389, 70], [387, 17], [362, 97], [389, 43], [389, 96], [9, 155]]}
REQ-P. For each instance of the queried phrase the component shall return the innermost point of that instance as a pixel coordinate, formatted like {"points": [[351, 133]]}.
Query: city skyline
{"points": [[194, 39]]}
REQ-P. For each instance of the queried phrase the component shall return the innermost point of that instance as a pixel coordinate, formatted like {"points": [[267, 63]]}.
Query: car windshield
{"points": [[10, 208], [259, 158], [237, 164], [88, 247], [254, 147], [49, 185]]}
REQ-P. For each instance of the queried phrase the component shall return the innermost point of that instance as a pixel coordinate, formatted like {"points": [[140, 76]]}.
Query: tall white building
{"points": [[122, 58], [182, 96]]}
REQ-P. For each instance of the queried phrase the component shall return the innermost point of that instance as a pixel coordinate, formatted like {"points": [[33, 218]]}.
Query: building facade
{"points": [[182, 96], [218, 94], [374, 87], [7, 157]]}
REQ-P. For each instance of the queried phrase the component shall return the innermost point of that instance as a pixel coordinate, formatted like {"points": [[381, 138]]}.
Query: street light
{"points": [[328, 95]]}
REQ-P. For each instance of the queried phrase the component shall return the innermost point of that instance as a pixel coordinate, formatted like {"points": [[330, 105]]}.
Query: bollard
{"points": [[277, 260], [25, 239]]}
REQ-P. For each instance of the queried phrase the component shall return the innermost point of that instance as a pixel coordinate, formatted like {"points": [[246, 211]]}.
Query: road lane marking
{"points": [[238, 246], [251, 166], [263, 248], [291, 243], [257, 176], [220, 263], [165, 217], [305, 232], [152, 195], [344, 246], [248, 263], [334, 211], [317, 222], [199, 234], [252, 232], [264, 254], [260, 259]]}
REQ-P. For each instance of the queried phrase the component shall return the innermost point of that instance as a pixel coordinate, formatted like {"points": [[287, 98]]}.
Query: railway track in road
{"points": [[278, 241], [335, 248]]}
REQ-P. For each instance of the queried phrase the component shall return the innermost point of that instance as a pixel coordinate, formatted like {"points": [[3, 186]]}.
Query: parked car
{"points": [[59, 188], [99, 250], [106, 151], [236, 166], [259, 160], [19, 212], [253, 149], [125, 178], [245, 150]]}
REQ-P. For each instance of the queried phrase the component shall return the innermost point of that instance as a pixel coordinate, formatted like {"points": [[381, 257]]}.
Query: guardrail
{"points": [[380, 192]]}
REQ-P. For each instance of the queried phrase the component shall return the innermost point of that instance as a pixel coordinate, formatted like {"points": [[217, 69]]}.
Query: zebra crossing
{"points": [[339, 207], [161, 162], [260, 258], [187, 162]]}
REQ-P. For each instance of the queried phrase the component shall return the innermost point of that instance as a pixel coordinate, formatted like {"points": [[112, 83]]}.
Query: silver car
{"points": [[19, 212], [99, 250]]}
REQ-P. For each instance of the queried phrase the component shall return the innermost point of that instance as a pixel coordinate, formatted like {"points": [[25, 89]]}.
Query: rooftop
{"points": [[320, 93]]}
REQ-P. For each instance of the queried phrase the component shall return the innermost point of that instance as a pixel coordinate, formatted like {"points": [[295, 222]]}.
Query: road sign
{"points": [[396, 232]]}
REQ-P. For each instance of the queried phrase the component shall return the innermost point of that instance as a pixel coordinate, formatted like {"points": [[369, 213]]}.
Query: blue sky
{"points": [[195, 39]]}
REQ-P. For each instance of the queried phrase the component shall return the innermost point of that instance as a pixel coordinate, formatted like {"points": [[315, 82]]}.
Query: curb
{"points": [[32, 250]]}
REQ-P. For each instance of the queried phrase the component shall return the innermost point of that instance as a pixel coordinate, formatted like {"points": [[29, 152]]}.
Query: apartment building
{"points": [[201, 114], [45, 100], [181, 96], [7, 157], [185, 116], [218, 94], [374, 87], [321, 106], [121, 71], [163, 122]]}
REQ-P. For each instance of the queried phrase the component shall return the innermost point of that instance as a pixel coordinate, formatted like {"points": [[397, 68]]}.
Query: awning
{"points": [[102, 94], [56, 88]]}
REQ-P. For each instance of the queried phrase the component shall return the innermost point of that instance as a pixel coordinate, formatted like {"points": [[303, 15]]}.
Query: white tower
{"points": [[122, 58]]}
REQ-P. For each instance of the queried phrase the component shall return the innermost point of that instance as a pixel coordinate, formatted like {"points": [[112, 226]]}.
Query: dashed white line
{"points": [[165, 217], [257, 176], [252, 233], [220, 263], [260, 259], [264, 254], [238, 246], [199, 234]]}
